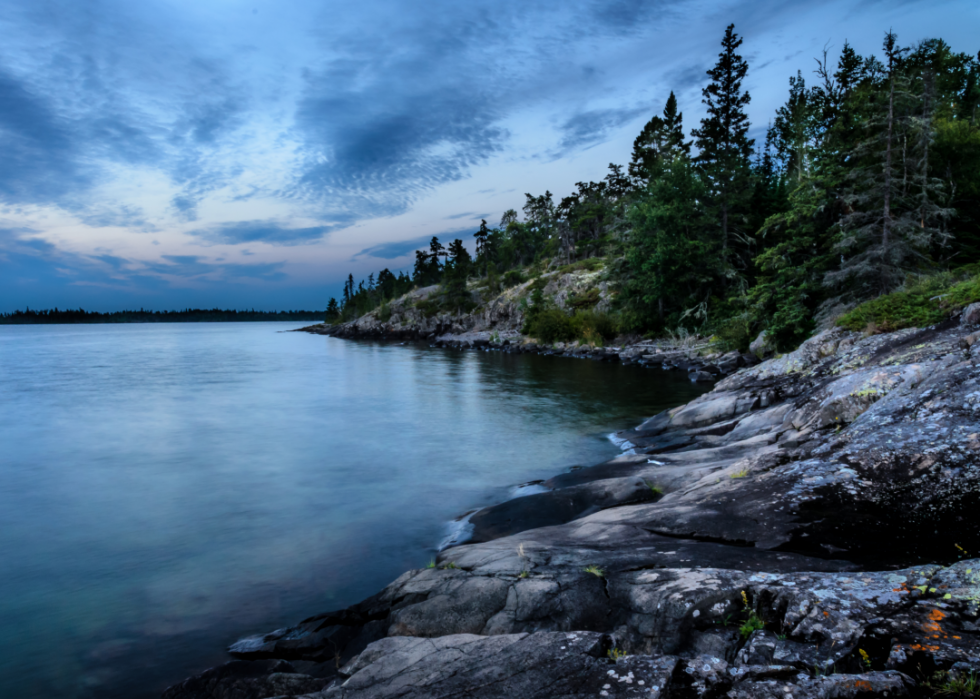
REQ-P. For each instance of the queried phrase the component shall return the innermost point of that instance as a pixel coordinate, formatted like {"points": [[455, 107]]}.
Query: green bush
{"points": [[550, 325], [923, 302], [590, 264], [513, 277], [429, 307], [384, 312], [594, 327], [587, 300]]}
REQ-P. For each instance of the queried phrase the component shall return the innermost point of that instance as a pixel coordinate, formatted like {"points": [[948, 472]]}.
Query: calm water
{"points": [[167, 489]]}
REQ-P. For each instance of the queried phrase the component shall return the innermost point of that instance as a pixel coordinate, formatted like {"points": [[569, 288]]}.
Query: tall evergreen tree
{"points": [[725, 150], [893, 216], [661, 138]]}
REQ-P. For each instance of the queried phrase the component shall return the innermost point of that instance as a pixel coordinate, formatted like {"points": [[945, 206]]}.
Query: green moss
{"points": [[924, 302], [589, 265]]}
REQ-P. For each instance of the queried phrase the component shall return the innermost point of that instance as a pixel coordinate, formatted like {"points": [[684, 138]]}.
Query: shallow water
{"points": [[167, 489]]}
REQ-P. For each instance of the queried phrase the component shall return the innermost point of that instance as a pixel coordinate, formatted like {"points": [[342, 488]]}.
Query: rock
{"points": [[971, 315], [838, 539], [701, 377], [243, 679], [760, 346]]}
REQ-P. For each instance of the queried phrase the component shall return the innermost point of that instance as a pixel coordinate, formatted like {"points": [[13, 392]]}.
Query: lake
{"points": [[166, 489]]}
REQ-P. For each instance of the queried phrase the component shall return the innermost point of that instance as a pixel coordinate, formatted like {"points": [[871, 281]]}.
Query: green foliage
{"points": [[550, 325], [923, 302], [615, 654], [431, 563], [657, 490], [384, 312], [590, 264], [595, 570], [512, 277], [428, 306], [753, 623], [587, 300], [943, 682]]}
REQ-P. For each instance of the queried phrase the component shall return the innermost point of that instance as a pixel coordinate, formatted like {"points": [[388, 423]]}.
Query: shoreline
{"points": [[806, 500]]}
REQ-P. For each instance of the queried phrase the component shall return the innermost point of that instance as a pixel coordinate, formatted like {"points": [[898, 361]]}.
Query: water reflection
{"points": [[165, 489]]}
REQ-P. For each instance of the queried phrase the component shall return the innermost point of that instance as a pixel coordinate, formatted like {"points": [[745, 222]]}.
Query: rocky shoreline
{"points": [[805, 529]]}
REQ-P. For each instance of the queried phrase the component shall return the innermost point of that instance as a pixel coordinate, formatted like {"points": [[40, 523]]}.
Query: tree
{"points": [[671, 263], [455, 274], [333, 310], [725, 150], [484, 245], [893, 217], [662, 137]]}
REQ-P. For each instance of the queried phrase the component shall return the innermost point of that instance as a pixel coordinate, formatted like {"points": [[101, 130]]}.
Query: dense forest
{"points": [[867, 182], [189, 315]]}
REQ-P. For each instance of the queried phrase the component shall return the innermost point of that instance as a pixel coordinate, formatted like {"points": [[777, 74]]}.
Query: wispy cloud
{"points": [[239, 232]]}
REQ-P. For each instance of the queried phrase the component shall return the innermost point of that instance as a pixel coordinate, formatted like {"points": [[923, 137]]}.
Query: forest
{"points": [[866, 187]]}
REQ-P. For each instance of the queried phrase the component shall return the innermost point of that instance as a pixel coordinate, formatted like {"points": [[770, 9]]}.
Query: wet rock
{"points": [[826, 501]]}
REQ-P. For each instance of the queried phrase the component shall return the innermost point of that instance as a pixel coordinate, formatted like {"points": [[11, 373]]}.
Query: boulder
{"points": [[971, 314], [760, 346]]}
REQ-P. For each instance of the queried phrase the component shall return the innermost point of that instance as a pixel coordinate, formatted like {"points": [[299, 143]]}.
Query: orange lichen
{"points": [[863, 685]]}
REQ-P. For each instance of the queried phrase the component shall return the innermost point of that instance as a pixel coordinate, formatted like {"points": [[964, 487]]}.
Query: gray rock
{"points": [[760, 346], [971, 314]]}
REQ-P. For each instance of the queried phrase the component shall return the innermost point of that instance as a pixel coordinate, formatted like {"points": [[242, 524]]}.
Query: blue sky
{"points": [[172, 153]]}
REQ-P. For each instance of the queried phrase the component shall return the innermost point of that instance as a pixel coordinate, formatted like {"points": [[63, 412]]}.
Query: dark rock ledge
{"points": [[813, 538]]}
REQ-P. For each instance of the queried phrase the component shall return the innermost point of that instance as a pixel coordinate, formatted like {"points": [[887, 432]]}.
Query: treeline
{"points": [[189, 315], [868, 179]]}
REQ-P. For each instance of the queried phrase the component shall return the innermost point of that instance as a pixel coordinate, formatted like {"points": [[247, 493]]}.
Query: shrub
{"points": [[590, 264], [922, 302], [513, 277], [550, 325], [384, 312], [594, 327], [587, 300]]}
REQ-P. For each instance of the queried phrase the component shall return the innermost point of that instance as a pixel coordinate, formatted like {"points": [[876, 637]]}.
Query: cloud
{"points": [[193, 266], [239, 232], [469, 215], [394, 250], [589, 128]]}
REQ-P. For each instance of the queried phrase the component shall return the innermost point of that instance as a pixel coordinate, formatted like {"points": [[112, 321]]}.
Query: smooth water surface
{"points": [[166, 489]]}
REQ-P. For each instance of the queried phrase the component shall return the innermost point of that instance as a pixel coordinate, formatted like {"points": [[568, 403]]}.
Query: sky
{"points": [[250, 154]]}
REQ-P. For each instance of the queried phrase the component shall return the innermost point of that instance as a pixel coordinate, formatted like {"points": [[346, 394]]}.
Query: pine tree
{"points": [[893, 216], [483, 245], [669, 258], [725, 150], [333, 310], [661, 138]]}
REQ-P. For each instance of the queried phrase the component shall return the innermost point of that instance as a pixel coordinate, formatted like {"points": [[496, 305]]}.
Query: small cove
{"points": [[167, 489]]}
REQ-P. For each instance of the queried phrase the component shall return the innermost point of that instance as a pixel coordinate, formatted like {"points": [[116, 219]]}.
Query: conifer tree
{"points": [[725, 150], [662, 137], [893, 216]]}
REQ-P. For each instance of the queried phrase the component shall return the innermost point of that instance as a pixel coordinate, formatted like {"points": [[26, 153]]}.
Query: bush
{"points": [[587, 300], [594, 327], [384, 312], [513, 277], [923, 302], [550, 325], [590, 264]]}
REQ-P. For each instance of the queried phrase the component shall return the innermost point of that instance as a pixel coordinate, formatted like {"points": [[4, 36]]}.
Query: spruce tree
{"points": [[893, 216], [483, 245], [725, 150], [661, 138]]}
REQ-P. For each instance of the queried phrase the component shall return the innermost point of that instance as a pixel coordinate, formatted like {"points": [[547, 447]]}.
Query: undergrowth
{"points": [[921, 302]]}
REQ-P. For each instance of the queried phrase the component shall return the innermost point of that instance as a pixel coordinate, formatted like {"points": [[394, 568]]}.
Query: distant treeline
{"points": [[188, 315]]}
